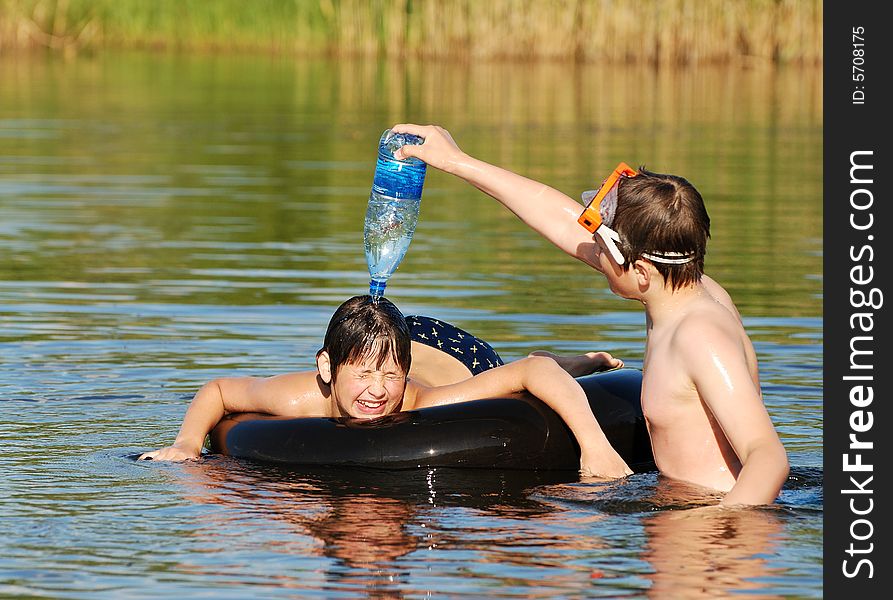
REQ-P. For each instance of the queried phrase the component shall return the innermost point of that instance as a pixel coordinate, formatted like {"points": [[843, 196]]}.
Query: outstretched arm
{"points": [[287, 394], [545, 379], [546, 210]]}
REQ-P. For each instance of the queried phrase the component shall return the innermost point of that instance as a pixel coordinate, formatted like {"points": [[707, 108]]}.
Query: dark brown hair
{"points": [[362, 327], [658, 213]]}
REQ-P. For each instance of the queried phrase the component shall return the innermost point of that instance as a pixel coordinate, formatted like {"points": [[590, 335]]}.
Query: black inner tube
{"points": [[499, 433]]}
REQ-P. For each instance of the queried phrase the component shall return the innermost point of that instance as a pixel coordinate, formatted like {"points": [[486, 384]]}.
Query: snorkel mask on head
{"points": [[601, 206], [598, 218]]}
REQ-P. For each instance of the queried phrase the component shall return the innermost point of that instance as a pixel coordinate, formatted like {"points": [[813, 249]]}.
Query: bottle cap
{"points": [[376, 287], [390, 142]]}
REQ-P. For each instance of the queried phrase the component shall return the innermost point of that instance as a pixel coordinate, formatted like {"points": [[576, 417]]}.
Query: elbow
{"points": [[777, 469], [779, 458], [767, 472], [213, 392], [212, 386], [784, 465], [538, 370], [782, 470], [542, 366]]}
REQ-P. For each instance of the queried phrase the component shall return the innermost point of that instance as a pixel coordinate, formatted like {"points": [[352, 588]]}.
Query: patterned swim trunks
{"points": [[473, 352]]}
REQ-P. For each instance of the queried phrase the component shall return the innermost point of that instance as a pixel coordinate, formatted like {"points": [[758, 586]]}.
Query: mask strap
{"points": [[669, 258]]}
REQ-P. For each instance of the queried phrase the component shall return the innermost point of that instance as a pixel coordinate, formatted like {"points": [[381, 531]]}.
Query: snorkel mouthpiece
{"points": [[612, 241]]}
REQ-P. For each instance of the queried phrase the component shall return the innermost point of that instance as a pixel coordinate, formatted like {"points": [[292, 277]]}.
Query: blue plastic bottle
{"points": [[393, 210]]}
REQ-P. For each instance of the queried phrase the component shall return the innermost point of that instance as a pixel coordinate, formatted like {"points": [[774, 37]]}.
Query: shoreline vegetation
{"points": [[658, 32]]}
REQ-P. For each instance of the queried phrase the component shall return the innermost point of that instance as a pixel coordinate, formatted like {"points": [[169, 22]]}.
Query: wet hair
{"points": [[363, 328], [665, 214]]}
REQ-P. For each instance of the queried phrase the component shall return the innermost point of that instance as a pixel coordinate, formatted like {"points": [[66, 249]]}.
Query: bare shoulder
{"points": [[712, 339], [708, 326], [720, 294], [433, 367], [417, 395], [300, 393]]}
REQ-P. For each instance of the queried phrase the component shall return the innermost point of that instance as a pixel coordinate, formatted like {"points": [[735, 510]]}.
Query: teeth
{"points": [[368, 404]]}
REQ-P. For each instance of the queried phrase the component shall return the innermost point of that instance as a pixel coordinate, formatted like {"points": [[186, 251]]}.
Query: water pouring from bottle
{"points": [[393, 210]]}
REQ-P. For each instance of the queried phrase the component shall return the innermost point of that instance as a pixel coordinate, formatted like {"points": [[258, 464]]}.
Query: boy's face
{"points": [[619, 278], [366, 390]]}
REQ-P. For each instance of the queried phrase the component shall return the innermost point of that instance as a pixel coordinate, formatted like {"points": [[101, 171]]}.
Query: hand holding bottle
{"points": [[438, 150]]}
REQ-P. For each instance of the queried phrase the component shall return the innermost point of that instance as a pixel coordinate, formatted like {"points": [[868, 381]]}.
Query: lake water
{"points": [[170, 219]]}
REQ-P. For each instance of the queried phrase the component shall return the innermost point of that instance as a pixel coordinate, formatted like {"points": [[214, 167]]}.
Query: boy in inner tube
{"points": [[647, 234], [363, 371]]}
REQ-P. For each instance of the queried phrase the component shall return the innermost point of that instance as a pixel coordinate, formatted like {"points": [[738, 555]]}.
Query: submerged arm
{"points": [[763, 473], [545, 379], [728, 388]]}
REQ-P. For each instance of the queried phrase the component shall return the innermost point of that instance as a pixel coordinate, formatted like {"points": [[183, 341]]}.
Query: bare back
{"points": [[434, 367]]}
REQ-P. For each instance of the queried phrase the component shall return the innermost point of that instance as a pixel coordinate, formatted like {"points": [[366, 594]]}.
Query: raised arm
{"points": [[289, 394], [545, 379], [546, 210]]}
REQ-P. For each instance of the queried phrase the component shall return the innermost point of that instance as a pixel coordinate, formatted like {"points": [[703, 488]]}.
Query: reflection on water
{"points": [[516, 530], [710, 552], [375, 526], [169, 219]]}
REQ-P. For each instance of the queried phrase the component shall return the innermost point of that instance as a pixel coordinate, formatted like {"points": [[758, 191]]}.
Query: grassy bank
{"points": [[652, 31]]}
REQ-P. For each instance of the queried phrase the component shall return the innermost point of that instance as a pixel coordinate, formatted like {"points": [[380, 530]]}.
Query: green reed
{"points": [[652, 31]]}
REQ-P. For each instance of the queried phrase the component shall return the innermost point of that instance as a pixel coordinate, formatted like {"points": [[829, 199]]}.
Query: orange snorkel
{"points": [[601, 205]]}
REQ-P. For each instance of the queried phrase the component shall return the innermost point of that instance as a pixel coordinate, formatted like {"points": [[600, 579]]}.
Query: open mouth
{"points": [[371, 407]]}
